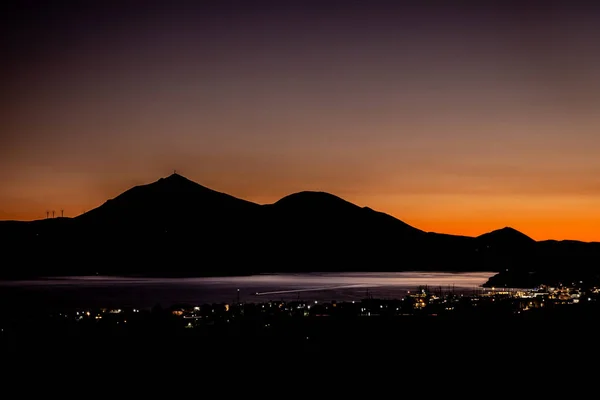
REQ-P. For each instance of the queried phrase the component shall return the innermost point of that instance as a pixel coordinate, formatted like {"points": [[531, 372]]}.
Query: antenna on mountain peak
{"points": [[47, 214], [52, 213], [62, 213]]}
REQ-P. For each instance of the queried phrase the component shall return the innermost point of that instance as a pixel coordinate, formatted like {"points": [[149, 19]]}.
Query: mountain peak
{"points": [[175, 192], [507, 234], [176, 183], [175, 177], [507, 229], [312, 199]]}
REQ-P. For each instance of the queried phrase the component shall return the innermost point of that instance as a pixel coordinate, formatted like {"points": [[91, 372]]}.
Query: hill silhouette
{"points": [[506, 236], [322, 231], [176, 227], [173, 199]]}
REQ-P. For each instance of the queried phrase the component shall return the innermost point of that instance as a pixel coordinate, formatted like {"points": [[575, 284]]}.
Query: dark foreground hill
{"points": [[176, 227]]}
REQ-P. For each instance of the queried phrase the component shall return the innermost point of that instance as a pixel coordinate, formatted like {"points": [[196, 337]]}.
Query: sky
{"points": [[458, 118]]}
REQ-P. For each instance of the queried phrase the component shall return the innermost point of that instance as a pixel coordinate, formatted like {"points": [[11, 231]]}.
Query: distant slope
{"points": [[310, 209], [321, 231], [506, 248], [506, 237]]}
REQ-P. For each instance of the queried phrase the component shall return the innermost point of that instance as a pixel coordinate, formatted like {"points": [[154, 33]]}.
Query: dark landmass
{"points": [[491, 326], [176, 227]]}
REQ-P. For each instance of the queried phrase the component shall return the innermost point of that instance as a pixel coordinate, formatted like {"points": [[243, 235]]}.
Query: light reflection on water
{"points": [[146, 292]]}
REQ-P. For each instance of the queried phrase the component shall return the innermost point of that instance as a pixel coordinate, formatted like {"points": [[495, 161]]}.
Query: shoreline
{"points": [[183, 276]]}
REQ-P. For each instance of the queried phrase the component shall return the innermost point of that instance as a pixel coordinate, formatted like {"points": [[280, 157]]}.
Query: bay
{"points": [[112, 291]]}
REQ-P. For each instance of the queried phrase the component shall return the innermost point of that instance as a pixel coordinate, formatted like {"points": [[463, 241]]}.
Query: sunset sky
{"points": [[453, 119]]}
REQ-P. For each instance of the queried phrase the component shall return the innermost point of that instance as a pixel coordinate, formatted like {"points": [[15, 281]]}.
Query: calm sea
{"points": [[102, 291]]}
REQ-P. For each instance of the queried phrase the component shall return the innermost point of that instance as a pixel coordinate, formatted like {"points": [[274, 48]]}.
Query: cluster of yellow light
{"points": [[420, 303]]}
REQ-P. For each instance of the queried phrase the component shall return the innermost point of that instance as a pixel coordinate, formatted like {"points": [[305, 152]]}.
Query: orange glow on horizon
{"points": [[556, 218]]}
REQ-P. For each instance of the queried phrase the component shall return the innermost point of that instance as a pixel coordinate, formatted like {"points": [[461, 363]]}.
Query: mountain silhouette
{"points": [[176, 227], [174, 199], [318, 207], [325, 231], [506, 236]]}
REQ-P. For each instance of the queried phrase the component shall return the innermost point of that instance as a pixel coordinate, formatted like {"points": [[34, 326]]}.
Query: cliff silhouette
{"points": [[176, 227]]}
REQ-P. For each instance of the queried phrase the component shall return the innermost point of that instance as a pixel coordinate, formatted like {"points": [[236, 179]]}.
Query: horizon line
{"points": [[177, 173]]}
